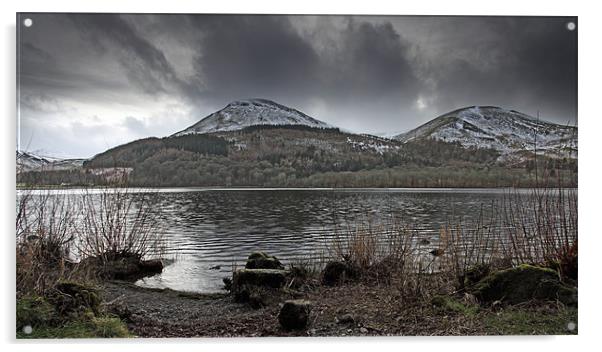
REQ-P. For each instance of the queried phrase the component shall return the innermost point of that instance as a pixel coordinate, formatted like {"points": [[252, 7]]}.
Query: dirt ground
{"points": [[348, 310]]}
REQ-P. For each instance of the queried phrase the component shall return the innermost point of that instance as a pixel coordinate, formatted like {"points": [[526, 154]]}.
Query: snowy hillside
{"points": [[507, 131], [27, 161], [244, 113]]}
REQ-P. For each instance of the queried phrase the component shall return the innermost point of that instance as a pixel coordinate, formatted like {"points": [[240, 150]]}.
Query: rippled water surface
{"points": [[208, 227]]}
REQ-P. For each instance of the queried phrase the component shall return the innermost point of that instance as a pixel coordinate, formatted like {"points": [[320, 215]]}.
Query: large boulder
{"points": [[248, 283], [294, 314], [338, 272], [523, 283], [260, 260]]}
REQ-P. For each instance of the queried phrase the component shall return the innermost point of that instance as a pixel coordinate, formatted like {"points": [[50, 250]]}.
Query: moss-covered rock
{"points": [[523, 283], [73, 297], [474, 274], [260, 260]]}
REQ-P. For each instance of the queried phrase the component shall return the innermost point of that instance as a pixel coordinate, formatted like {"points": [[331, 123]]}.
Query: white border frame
{"points": [[589, 163]]}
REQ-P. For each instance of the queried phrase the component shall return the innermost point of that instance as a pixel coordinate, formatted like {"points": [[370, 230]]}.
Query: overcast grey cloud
{"points": [[89, 82]]}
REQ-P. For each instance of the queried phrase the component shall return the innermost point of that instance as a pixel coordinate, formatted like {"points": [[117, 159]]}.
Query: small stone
{"points": [[363, 330], [437, 252], [227, 283], [345, 319], [294, 314]]}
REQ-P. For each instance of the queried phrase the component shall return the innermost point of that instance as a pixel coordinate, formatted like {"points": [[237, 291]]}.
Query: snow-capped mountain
{"points": [[506, 131], [27, 161], [244, 113]]}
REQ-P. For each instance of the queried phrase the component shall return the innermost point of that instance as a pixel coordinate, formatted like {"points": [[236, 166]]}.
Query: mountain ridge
{"points": [[507, 131]]}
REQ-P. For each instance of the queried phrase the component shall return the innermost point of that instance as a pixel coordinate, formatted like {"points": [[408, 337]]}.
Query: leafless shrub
{"points": [[44, 239], [55, 230], [118, 223]]}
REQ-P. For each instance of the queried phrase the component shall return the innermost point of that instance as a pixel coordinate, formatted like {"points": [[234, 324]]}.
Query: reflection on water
{"points": [[211, 227], [219, 228]]}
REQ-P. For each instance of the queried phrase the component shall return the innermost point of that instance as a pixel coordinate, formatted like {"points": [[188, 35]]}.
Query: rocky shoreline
{"points": [[351, 310], [261, 298]]}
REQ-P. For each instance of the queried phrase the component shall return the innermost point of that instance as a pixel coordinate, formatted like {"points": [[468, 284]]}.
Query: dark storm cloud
{"points": [[34, 55], [527, 64], [547, 62], [372, 61], [144, 64], [248, 56], [160, 73]]}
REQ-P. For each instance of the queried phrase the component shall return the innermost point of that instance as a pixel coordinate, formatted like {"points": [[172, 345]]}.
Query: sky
{"points": [[89, 82]]}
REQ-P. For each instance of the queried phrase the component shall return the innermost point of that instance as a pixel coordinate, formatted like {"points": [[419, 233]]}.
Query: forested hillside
{"points": [[302, 156]]}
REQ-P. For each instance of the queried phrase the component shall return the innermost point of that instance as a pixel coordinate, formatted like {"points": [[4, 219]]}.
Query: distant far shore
{"points": [[252, 188]]}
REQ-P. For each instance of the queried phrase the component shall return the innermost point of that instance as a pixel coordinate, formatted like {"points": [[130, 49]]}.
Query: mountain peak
{"points": [[253, 101], [497, 128], [251, 112]]}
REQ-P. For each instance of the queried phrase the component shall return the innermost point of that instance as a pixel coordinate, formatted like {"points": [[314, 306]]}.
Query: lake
{"points": [[209, 228]]}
